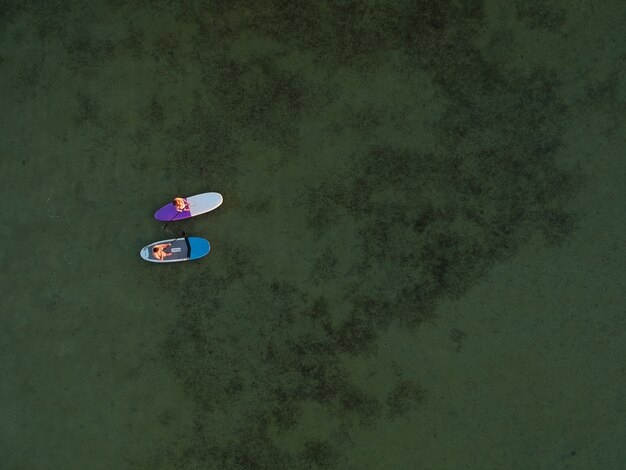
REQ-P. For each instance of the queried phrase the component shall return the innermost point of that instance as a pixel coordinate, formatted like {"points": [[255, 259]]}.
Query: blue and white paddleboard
{"points": [[181, 249]]}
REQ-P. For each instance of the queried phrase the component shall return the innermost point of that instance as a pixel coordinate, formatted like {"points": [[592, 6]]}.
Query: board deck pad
{"points": [[182, 249], [198, 204]]}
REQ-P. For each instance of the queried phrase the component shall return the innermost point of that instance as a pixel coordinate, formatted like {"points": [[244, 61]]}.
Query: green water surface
{"points": [[419, 262]]}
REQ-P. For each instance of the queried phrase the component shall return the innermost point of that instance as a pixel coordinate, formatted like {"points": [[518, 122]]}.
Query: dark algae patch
{"points": [[374, 161], [394, 225], [404, 396]]}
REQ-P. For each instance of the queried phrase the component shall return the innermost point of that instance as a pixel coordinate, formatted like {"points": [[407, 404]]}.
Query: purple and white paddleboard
{"points": [[198, 204]]}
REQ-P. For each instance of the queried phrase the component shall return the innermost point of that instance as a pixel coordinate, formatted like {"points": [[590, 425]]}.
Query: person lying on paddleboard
{"points": [[181, 204], [159, 251]]}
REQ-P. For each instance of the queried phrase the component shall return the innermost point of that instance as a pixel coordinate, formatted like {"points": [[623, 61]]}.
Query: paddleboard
{"points": [[198, 204], [182, 249]]}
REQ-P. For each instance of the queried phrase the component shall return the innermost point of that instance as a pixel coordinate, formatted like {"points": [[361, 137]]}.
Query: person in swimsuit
{"points": [[181, 204], [158, 251]]}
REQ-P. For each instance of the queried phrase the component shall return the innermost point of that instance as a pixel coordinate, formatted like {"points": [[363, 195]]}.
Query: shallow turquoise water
{"points": [[417, 263]]}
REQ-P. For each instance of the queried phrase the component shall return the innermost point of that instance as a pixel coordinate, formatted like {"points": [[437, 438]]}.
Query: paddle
{"points": [[182, 235], [166, 223], [177, 214]]}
